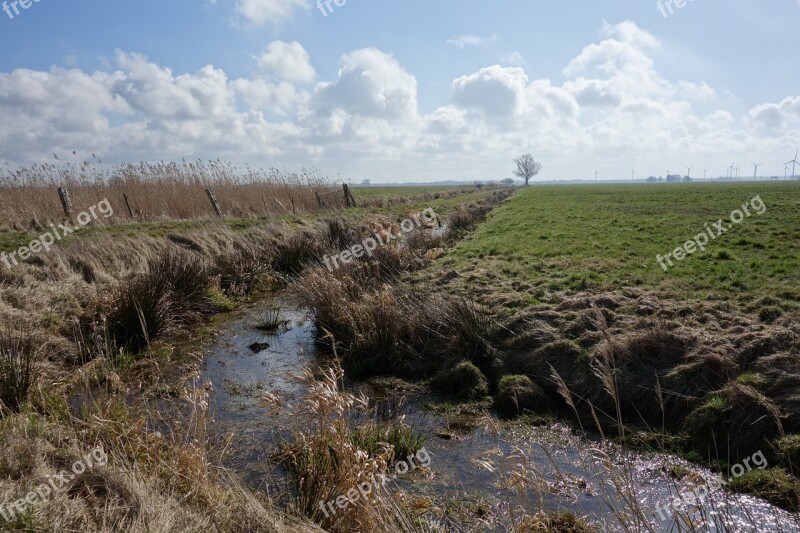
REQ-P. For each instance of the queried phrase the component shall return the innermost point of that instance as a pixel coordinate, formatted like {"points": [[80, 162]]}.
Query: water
{"points": [[562, 470]]}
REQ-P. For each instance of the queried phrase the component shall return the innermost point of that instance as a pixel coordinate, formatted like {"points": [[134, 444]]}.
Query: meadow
{"points": [[574, 238]]}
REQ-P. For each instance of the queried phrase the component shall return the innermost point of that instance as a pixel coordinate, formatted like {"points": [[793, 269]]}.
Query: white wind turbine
{"points": [[689, 171], [705, 173], [755, 170], [794, 162]]}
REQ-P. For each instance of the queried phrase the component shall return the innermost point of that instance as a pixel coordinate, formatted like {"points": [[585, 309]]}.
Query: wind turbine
{"points": [[705, 173], [755, 170], [633, 173], [737, 170], [794, 162], [689, 171]]}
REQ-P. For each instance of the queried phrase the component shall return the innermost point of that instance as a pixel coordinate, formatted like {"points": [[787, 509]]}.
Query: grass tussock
{"points": [[464, 380], [18, 367], [241, 271], [173, 292], [517, 395], [389, 331], [333, 458]]}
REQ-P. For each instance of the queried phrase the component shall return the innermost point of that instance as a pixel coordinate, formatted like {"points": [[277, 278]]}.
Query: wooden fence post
{"points": [[293, 210], [214, 203], [128, 204], [66, 203], [319, 200]]}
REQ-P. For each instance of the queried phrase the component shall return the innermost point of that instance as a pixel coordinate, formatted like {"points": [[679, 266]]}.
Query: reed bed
{"points": [[157, 191]]}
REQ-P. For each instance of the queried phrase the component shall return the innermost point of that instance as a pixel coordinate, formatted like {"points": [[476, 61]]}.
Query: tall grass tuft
{"points": [[332, 458], [173, 292], [240, 271], [18, 370]]}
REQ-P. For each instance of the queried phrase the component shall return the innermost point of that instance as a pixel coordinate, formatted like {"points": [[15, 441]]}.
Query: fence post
{"points": [[293, 210], [128, 204], [319, 199], [213, 200], [346, 196], [66, 203], [352, 198]]}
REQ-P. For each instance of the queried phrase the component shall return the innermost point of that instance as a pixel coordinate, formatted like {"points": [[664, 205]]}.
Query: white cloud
{"points": [[463, 41], [258, 12], [774, 119], [262, 95], [287, 61], [371, 83], [497, 91]]}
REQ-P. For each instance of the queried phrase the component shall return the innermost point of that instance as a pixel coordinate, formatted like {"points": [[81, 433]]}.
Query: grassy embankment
{"points": [[702, 359], [89, 359]]}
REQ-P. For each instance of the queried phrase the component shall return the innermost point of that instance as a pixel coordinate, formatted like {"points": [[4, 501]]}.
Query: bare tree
{"points": [[527, 167]]}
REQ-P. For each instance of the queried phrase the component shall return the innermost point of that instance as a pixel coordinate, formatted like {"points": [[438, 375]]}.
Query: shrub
{"points": [[517, 394], [464, 380]]}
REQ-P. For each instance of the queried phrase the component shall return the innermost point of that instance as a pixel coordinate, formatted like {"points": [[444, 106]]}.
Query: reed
{"points": [[157, 191]]}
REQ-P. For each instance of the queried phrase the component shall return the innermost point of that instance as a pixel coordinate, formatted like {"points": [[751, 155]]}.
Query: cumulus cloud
{"points": [[495, 90], [773, 119], [287, 61], [371, 83], [613, 106]]}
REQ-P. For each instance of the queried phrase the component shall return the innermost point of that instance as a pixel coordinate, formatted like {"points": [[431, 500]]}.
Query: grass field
{"points": [[371, 192], [573, 238]]}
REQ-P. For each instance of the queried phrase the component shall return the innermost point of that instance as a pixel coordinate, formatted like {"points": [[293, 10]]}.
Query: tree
{"points": [[527, 167]]}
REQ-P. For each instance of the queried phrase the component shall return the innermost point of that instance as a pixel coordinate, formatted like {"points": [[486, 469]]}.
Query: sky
{"points": [[408, 90]]}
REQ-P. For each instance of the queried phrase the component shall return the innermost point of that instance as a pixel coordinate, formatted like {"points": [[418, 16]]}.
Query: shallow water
{"points": [[565, 472]]}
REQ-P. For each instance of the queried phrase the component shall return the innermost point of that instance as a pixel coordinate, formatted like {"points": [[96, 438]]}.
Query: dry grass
{"points": [[159, 191], [18, 368], [332, 458]]}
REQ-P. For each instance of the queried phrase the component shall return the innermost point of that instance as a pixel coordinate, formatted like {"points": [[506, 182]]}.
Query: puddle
{"points": [[568, 471]]}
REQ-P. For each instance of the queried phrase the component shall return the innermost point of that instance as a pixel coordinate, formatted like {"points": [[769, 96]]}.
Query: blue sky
{"points": [[406, 91]]}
